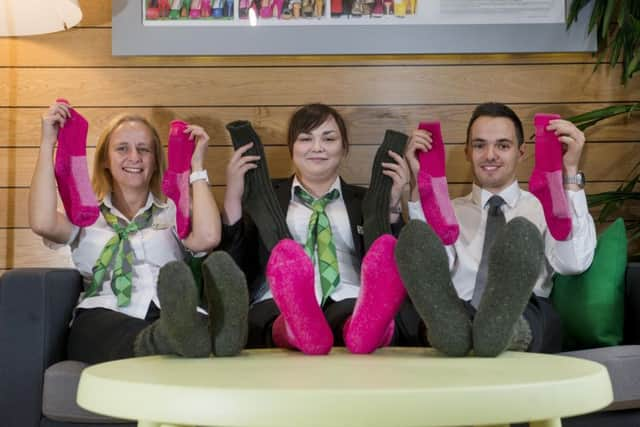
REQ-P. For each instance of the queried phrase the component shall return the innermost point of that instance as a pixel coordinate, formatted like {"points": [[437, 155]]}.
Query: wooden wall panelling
{"points": [[378, 85], [366, 124]]}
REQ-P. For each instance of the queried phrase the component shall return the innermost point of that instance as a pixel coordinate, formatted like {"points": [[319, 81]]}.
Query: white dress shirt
{"points": [[153, 247], [298, 215], [571, 256]]}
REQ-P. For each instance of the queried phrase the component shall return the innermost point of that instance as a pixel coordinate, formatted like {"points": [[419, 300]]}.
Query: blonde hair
{"points": [[102, 181]]}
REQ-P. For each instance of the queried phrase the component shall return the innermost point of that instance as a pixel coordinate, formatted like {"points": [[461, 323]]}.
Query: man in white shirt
{"points": [[508, 308]]}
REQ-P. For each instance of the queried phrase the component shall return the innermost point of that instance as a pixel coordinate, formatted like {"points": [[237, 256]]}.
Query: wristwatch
{"points": [[198, 176], [577, 179]]}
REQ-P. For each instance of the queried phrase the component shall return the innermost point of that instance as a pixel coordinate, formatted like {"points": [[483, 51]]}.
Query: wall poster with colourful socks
{"points": [[276, 10], [341, 12], [344, 27]]}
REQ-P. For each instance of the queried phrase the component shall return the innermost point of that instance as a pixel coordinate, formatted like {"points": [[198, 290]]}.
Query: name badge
{"points": [[359, 230], [160, 226]]}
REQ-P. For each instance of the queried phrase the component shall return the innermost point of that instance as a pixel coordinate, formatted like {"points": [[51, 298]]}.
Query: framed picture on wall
{"points": [[305, 27]]}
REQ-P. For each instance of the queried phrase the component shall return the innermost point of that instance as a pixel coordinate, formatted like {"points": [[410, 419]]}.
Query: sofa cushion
{"points": [[59, 395], [623, 364], [591, 304]]}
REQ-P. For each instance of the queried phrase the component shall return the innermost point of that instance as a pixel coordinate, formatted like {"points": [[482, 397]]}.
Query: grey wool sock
{"points": [[375, 206], [424, 268], [180, 329], [259, 200], [228, 301], [515, 261]]}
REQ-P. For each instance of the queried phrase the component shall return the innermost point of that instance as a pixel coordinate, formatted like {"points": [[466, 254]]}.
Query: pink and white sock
{"points": [[175, 183], [381, 294], [72, 174], [546, 181], [433, 188], [301, 324]]}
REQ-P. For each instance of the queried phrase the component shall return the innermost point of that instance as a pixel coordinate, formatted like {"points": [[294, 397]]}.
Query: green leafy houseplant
{"points": [[617, 23], [618, 29]]}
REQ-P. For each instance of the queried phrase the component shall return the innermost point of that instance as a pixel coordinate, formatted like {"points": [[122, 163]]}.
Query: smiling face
{"points": [[317, 154], [494, 153], [130, 156]]}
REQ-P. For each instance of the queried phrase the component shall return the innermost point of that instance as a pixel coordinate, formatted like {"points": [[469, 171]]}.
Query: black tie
{"points": [[495, 222]]}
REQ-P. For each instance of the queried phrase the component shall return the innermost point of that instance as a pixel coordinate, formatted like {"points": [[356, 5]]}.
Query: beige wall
{"points": [[373, 92]]}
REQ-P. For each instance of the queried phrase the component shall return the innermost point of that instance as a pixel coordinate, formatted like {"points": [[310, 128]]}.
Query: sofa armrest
{"points": [[632, 304], [35, 309]]}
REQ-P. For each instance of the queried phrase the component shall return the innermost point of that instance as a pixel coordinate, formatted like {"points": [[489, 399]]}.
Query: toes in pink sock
{"points": [[175, 182], [433, 189], [546, 181], [290, 274], [72, 174], [380, 298]]}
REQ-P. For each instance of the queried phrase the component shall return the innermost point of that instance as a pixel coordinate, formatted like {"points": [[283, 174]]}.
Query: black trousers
{"points": [[100, 335], [544, 321], [263, 314]]}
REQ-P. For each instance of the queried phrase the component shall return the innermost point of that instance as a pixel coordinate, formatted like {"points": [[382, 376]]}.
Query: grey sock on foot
{"points": [[375, 206], [180, 329], [424, 268], [228, 300], [259, 199], [515, 262]]}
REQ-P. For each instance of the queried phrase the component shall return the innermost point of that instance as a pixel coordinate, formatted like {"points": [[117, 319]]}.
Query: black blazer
{"points": [[245, 246]]}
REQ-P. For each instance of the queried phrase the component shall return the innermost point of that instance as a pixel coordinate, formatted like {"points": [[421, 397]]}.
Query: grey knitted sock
{"points": [[228, 300], [424, 268], [515, 261], [180, 329], [259, 199], [375, 206]]}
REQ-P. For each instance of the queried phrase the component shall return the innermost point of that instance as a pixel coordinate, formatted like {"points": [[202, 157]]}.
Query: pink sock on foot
{"points": [[72, 174], [546, 181], [433, 189], [175, 183], [290, 274], [381, 295]]}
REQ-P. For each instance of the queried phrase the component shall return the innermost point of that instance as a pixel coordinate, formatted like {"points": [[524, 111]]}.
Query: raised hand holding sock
{"points": [[375, 206], [546, 182], [433, 188], [259, 199], [175, 182], [72, 174]]}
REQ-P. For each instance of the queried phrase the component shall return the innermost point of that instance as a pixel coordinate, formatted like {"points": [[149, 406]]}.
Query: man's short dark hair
{"points": [[497, 109]]}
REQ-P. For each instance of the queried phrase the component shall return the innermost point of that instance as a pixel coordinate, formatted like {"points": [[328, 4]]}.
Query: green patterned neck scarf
{"points": [[118, 256], [319, 234]]}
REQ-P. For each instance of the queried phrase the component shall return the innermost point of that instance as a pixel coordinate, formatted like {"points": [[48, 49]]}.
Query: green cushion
{"points": [[591, 304]]}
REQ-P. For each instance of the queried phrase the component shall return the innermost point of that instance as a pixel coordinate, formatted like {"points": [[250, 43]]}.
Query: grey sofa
{"points": [[38, 384]]}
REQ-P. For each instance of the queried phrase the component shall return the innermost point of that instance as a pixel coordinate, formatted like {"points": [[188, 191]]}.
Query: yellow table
{"points": [[394, 387]]}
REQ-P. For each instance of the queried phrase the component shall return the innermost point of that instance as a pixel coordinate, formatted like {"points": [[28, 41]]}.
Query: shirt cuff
{"points": [[415, 211], [579, 203]]}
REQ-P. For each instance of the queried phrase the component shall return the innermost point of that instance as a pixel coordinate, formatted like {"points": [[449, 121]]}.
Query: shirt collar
{"points": [[296, 183], [511, 194], [151, 199]]}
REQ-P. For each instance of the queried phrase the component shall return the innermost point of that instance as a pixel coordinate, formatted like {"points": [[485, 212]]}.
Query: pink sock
{"points": [[380, 298], [546, 181], [432, 185], [72, 174], [175, 183], [301, 325]]}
